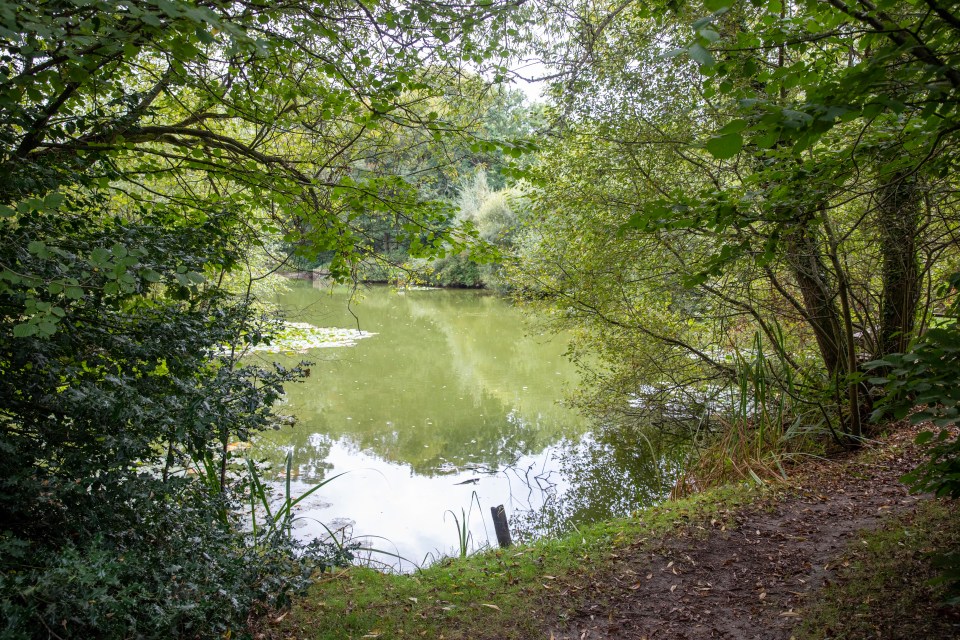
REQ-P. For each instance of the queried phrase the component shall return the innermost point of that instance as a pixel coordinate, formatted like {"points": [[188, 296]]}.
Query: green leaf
{"points": [[701, 55], [38, 249], [709, 35], [726, 146], [734, 126], [767, 139], [717, 5], [53, 201], [205, 36], [24, 330]]}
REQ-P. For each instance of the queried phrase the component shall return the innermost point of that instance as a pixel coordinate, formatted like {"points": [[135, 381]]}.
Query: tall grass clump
{"points": [[462, 526], [758, 430], [277, 518]]}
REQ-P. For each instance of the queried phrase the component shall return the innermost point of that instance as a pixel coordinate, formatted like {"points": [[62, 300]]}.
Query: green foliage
{"points": [[736, 168], [101, 534], [155, 571], [928, 376], [496, 217]]}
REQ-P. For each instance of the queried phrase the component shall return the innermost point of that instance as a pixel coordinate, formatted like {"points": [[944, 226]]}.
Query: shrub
{"points": [[109, 393], [927, 378]]}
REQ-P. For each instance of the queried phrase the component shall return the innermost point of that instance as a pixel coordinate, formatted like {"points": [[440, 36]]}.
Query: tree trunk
{"points": [[898, 212], [804, 258]]}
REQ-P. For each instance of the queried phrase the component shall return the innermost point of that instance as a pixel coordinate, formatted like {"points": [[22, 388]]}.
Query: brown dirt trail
{"points": [[749, 576]]}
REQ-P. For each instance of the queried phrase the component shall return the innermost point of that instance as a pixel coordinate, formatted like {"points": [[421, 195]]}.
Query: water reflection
{"points": [[605, 475], [451, 399], [451, 380]]}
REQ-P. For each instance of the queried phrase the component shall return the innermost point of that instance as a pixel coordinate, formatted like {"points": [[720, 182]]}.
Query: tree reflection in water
{"points": [[608, 474]]}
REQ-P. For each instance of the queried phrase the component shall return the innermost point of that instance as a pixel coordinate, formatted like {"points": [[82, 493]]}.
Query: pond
{"points": [[452, 406]]}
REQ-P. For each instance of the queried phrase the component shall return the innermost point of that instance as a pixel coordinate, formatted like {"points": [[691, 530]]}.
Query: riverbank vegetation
{"points": [[747, 213], [773, 213]]}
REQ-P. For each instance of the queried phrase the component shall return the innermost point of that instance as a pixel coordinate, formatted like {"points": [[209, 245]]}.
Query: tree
{"points": [[792, 162]]}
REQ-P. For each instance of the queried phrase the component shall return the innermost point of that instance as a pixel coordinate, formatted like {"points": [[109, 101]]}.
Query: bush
{"points": [[174, 572], [928, 376], [110, 394]]}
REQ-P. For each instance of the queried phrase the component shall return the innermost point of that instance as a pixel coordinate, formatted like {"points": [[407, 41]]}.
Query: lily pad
{"points": [[301, 336]]}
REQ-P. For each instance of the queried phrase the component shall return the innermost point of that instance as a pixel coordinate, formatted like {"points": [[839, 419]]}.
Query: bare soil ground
{"points": [[746, 574]]}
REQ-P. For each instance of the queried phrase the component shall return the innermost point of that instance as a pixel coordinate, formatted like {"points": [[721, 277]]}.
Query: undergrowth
{"points": [[889, 586]]}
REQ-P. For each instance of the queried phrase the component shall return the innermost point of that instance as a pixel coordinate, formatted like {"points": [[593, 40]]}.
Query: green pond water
{"points": [[455, 404]]}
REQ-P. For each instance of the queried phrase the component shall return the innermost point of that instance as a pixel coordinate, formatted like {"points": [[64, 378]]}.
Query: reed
{"points": [[462, 525], [754, 435], [279, 518]]}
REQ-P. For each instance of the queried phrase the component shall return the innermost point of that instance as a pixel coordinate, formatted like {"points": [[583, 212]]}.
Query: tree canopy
{"points": [[735, 179]]}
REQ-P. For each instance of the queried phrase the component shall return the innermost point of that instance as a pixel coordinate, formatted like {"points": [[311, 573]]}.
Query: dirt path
{"points": [[748, 577]]}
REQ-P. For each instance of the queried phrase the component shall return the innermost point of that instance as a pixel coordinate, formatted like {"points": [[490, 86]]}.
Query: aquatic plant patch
{"points": [[301, 336]]}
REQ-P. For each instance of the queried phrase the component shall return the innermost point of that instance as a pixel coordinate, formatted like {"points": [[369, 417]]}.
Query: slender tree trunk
{"points": [[819, 299], [898, 212], [820, 289]]}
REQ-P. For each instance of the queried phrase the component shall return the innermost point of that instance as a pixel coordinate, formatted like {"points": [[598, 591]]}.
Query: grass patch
{"points": [[884, 590], [498, 593]]}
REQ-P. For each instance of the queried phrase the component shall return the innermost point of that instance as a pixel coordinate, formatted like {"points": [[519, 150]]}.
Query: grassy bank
{"points": [[500, 593]]}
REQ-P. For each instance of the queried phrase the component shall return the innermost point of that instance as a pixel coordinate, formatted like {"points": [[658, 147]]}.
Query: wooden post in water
{"points": [[500, 526]]}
